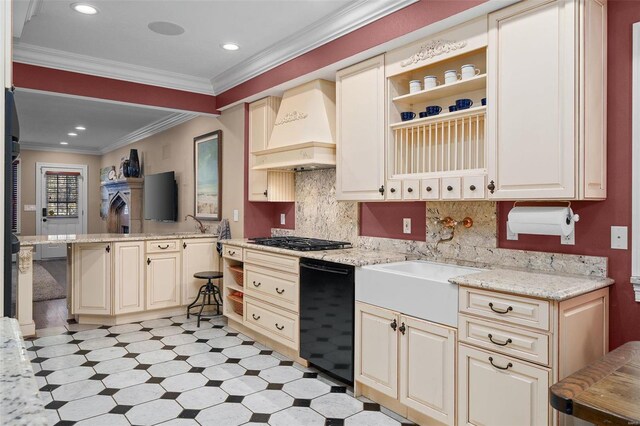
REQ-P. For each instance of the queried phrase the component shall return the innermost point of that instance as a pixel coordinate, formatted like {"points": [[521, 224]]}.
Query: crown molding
{"points": [[150, 130], [67, 61], [331, 27], [40, 146]]}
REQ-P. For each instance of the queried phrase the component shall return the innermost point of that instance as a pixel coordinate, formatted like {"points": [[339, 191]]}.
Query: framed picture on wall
{"points": [[208, 175]]}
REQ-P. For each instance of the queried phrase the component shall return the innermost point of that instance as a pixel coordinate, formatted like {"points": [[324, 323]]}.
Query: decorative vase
{"points": [[134, 164], [125, 168]]}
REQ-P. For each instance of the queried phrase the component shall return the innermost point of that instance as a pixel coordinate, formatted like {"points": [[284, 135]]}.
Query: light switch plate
{"points": [[29, 207], [406, 225], [283, 218], [236, 215], [619, 237]]}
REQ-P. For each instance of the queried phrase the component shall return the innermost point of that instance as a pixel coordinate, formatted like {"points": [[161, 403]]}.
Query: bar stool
{"points": [[206, 291]]}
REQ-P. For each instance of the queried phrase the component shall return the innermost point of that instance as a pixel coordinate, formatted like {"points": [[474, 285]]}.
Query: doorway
{"points": [[61, 205]]}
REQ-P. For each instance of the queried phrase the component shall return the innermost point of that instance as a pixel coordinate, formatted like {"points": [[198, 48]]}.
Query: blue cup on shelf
{"points": [[407, 115], [453, 108], [433, 110], [464, 103], [423, 114], [484, 101]]}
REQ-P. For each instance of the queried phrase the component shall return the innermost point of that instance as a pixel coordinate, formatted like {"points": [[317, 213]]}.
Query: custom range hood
{"points": [[304, 133]]}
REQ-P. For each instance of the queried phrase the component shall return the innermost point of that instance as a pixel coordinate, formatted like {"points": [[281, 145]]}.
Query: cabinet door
{"points": [[92, 278], [427, 368], [198, 254], [262, 115], [376, 349], [128, 280], [163, 280], [500, 391], [360, 100], [532, 100]]}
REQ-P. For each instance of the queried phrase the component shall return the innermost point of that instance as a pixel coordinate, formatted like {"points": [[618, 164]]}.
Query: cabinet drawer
{"points": [[517, 342], [279, 288], [473, 187], [271, 321], [394, 190], [430, 189], [505, 307], [451, 188], [161, 246], [411, 189], [272, 260], [232, 252]]}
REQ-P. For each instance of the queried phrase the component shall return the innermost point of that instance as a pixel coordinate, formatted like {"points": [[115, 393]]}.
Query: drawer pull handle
{"points": [[255, 317], [402, 329], [490, 336], [498, 367], [497, 311], [279, 291], [231, 253], [279, 327], [394, 325], [163, 248], [256, 285]]}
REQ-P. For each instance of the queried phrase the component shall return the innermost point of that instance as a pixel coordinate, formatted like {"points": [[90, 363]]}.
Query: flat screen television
{"points": [[161, 197]]}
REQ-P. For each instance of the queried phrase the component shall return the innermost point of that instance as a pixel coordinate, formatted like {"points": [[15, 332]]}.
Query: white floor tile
{"points": [[157, 323], [167, 331], [90, 334], [259, 362], [210, 333], [153, 412], [244, 385], [144, 346], [134, 336], [241, 351], [367, 418], [57, 350], [224, 342], [126, 378], [93, 344], [192, 349], [306, 388], [198, 399], [62, 362], [281, 374], [297, 416], [55, 339], [227, 414], [179, 339], [87, 407], [169, 368], [155, 357], [267, 401], [207, 359], [106, 354], [77, 390], [336, 405], [52, 416], [124, 328], [116, 365], [184, 382], [70, 375], [139, 394], [105, 420], [224, 371]]}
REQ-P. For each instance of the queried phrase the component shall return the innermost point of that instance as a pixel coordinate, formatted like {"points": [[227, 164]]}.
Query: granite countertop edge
{"points": [[35, 240], [21, 406]]}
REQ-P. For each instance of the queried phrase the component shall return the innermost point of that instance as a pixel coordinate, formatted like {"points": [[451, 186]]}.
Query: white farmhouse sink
{"points": [[417, 288]]}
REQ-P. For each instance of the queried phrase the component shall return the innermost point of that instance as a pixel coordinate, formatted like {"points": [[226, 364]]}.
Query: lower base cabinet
{"points": [[500, 390], [128, 278], [163, 280], [407, 359]]}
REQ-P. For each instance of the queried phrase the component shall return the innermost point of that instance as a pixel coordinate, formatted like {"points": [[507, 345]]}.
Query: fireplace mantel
{"points": [[127, 191]]}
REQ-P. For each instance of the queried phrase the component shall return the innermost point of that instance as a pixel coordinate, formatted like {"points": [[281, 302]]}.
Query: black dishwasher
{"points": [[327, 316]]}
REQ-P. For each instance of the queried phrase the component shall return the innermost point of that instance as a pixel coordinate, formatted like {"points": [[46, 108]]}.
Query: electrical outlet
{"points": [[406, 225], [619, 237], [236, 215], [283, 218]]}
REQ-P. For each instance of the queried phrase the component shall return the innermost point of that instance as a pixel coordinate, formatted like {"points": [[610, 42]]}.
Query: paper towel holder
{"points": [[571, 219]]}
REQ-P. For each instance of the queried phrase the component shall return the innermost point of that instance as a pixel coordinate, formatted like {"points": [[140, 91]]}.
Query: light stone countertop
{"points": [[35, 240], [20, 402], [352, 256], [550, 286]]}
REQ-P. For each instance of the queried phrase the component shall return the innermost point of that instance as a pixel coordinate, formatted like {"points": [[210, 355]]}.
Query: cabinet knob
{"points": [[402, 328], [265, 193], [472, 187], [108, 248], [491, 187], [429, 189], [449, 188], [381, 190], [394, 325], [184, 245], [409, 189], [392, 190], [148, 261]]}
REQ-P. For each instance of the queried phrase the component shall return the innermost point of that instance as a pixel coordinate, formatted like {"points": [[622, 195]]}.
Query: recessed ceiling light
{"points": [[230, 46], [72, 134], [81, 128], [85, 9], [64, 143], [165, 28]]}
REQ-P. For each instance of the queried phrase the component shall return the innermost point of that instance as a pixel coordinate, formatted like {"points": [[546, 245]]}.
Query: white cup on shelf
{"points": [[414, 86], [469, 71], [451, 76], [430, 81]]}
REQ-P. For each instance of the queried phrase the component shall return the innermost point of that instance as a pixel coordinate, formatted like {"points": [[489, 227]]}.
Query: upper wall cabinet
{"points": [[266, 185], [360, 105], [547, 100]]}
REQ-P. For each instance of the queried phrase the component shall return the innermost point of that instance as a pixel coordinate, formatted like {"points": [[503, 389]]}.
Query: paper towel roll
{"points": [[541, 220]]}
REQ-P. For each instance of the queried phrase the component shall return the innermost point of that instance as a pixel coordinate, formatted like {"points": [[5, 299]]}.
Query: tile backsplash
{"points": [[320, 215]]}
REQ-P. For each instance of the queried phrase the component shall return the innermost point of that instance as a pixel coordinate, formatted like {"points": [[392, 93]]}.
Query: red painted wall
{"points": [[385, 220], [91, 86], [593, 232]]}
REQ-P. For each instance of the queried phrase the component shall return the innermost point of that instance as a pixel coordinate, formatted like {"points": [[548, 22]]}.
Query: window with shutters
{"points": [[15, 197], [62, 194]]}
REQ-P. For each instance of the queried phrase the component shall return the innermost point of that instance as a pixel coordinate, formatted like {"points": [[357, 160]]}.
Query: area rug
{"points": [[45, 287]]}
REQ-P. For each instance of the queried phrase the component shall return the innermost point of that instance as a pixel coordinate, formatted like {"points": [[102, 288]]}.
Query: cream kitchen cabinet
{"points": [[92, 278], [128, 277], [266, 185], [163, 280], [407, 359], [198, 254], [547, 100], [360, 105]]}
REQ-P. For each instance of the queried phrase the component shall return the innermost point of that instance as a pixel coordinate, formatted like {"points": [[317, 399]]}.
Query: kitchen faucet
{"points": [[203, 229]]}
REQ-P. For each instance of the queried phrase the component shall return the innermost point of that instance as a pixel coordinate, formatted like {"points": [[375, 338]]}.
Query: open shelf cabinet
{"points": [[231, 301]]}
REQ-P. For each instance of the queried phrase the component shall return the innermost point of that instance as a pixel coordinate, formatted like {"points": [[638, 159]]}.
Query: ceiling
{"points": [[46, 118]]}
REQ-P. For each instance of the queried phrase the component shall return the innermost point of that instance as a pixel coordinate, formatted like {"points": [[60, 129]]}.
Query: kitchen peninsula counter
{"points": [[35, 240]]}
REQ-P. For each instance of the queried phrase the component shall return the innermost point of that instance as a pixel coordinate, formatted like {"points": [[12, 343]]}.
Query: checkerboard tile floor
{"points": [[170, 372]]}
